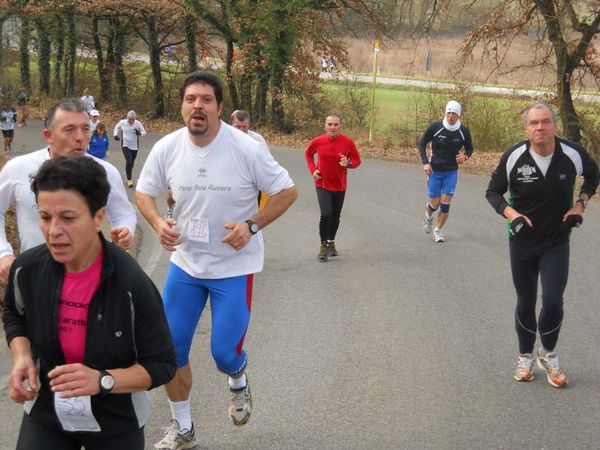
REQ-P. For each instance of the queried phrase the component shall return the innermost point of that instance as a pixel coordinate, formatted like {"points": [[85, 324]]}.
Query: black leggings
{"points": [[552, 266], [331, 204], [130, 156], [36, 436]]}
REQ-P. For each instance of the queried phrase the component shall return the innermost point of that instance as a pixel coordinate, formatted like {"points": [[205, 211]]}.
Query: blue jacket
{"points": [[98, 145]]}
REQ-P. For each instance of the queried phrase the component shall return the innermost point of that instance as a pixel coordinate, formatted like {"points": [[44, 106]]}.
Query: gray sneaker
{"points": [[240, 404], [438, 236], [331, 250], [175, 438], [428, 224]]}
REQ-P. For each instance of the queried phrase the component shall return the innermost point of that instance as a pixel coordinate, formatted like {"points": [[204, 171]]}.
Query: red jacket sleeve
{"points": [[354, 156], [310, 156]]}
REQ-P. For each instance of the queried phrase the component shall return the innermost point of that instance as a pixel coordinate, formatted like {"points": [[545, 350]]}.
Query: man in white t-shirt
{"points": [[88, 101], [67, 134], [214, 173], [8, 118], [94, 120], [240, 119], [128, 131]]}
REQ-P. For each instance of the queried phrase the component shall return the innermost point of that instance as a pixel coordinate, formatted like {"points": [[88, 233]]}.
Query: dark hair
{"points": [[71, 104], [76, 173], [205, 78], [241, 115]]}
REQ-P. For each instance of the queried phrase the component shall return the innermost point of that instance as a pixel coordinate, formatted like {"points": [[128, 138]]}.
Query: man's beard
{"points": [[198, 130]]}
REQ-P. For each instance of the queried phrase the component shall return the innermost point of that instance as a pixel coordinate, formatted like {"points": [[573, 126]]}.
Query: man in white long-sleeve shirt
{"points": [[67, 134], [128, 131]]}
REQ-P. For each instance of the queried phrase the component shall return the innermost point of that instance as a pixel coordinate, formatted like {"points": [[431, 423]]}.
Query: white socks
{"points": [[238, 383], [180, 411]]}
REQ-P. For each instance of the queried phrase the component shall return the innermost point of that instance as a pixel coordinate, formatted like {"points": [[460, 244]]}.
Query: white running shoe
{"points": [[428, 224], [438, 236], [524, 370], [549, 362], [176, 439], [240, 404]]}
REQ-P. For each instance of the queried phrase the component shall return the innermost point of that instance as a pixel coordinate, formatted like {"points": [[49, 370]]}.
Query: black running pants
{"points": [[330, 203], [551, 265], [37, 436], [130, 156]]}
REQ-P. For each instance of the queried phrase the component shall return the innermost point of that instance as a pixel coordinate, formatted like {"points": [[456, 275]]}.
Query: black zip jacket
{"points": [[445, 145], [126, 324], [544, 199]]}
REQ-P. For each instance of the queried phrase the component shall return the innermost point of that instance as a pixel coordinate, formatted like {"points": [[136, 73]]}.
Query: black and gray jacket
{"points": [[126, 324], [445, 145], [544, 199]]}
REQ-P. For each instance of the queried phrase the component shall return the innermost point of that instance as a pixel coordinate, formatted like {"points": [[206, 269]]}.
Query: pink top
{"points": [[77, 292]]}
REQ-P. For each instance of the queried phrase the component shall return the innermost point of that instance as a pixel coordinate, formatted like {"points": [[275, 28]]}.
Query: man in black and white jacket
{"points": [[540, 175]]}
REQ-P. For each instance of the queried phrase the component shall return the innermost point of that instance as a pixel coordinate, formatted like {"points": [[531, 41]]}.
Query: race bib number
{"points": [[75, 414], [197, 230]]}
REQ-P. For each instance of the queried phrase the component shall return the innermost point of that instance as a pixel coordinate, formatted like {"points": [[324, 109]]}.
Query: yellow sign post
{"points": [[375, 60]]}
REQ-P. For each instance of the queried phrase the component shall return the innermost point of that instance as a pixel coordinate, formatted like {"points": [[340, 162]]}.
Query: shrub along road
{"points": [[398, 342]]}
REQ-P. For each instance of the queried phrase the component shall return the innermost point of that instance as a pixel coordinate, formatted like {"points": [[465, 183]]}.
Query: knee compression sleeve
{"points": [[430, 209], [444, 208]]}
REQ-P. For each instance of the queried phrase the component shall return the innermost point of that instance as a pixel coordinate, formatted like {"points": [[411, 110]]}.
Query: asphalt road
{"points": [[399, 342]]}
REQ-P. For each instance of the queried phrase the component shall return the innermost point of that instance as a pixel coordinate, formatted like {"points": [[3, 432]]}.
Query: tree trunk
{"points": [[59, 57], [564, 71], [24, 51], [233, 94], [280, 56], [119, 52], [109, 64], [103, 73], [262, 90], [154, 49], [44, 56], [246, 92], [2, 20], [190, 39], [71, 55]]}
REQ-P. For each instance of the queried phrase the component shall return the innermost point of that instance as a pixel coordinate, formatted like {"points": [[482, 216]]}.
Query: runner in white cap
{"points": [[446, 136]]}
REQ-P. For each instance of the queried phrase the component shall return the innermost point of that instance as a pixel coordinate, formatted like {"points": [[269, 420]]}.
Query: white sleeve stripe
{"points": [[574, 156], [512, 160], [438, 132]]}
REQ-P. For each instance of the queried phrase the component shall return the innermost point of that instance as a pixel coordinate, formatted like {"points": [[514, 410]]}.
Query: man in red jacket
{"points": [[336, 153]]}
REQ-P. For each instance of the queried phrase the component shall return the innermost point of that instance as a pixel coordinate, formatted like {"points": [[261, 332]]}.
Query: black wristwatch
{"points": [[107, 382], [253, 226]]}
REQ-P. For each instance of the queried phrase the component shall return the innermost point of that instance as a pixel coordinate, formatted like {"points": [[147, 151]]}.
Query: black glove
{"points": [[517, 225], [138, 132], [574, 220], [117, 138]]}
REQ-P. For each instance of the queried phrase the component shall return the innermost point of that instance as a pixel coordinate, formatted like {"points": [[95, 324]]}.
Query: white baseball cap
{"points": [[453, 106], [94, 113]]}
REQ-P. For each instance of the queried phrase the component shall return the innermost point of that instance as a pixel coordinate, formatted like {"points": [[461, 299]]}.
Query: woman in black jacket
{"points": [[84, 323]]}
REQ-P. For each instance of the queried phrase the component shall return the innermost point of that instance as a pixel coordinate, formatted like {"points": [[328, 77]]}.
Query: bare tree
{"points": [[564, 33]]}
